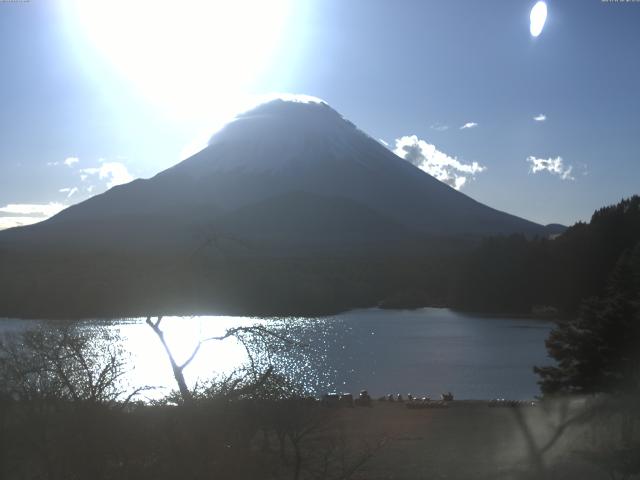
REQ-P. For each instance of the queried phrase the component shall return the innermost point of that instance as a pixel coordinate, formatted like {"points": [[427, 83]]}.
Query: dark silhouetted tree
{"points": [[597, 351]]}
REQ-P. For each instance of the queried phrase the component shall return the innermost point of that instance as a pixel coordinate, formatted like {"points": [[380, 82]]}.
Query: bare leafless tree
{"points": [[246, 335], [65, 363]]}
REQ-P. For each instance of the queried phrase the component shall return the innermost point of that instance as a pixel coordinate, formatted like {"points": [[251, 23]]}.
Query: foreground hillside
{"points": [[301, 440]]}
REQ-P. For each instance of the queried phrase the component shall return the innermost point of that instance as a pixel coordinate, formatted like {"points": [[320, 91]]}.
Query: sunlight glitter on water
{"points": [[215, 359], [151, 366], [425, 351]]}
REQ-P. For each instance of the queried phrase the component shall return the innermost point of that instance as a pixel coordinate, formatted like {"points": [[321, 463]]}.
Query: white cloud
{"points": [[19, 214], [436, 163], [69, 191], [33, 209], [69, 162], [383, 142], [554, 166], [540, 118], [115, 173], [469, 125], [10, 222], [439, 127]]}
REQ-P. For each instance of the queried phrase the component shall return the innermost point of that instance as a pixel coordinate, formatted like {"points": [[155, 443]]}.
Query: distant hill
{"points": [[286, 179], [516, 274]]}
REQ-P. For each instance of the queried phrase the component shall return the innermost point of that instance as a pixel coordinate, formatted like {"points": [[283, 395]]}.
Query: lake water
{"points": [[426, 351]]}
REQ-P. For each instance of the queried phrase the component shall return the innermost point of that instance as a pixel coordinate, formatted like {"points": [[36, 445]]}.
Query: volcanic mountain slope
{"points": [[286, 173], [289, 209]]}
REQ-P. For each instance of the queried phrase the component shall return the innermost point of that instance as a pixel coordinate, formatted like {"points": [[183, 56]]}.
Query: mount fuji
{"points": [[286, 180], [287, 173]]}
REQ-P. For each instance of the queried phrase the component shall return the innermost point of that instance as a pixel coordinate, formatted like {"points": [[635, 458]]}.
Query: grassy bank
{"points": [[299, 438]]}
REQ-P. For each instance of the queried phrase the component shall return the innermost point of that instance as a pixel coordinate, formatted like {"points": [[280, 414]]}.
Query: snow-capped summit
{"points": [[277, 133]]}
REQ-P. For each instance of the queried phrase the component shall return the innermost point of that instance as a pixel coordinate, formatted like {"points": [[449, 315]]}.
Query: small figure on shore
{"points": [[447, 397], [346, 400], [501, 402], [330, 399], [364, 399]]}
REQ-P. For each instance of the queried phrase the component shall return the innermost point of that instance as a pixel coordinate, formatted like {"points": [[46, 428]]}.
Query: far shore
{"points": [[320, 314]]}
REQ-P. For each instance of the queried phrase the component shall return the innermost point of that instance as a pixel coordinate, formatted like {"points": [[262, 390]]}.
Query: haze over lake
{"points": [[424, 351]]}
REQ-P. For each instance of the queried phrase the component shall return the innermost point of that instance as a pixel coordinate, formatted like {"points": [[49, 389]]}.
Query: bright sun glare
{"points": [[538, 17], [190, 58]]}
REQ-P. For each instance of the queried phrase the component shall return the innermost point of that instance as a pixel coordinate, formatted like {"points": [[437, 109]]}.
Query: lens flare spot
{"points": [[538, 18]]}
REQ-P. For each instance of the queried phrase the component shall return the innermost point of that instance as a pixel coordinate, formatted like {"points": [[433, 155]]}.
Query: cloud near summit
{"points": [[438, 164], [114, 173]]}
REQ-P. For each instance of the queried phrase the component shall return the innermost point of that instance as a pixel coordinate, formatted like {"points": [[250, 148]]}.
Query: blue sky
{"points": [[120, 92]]}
